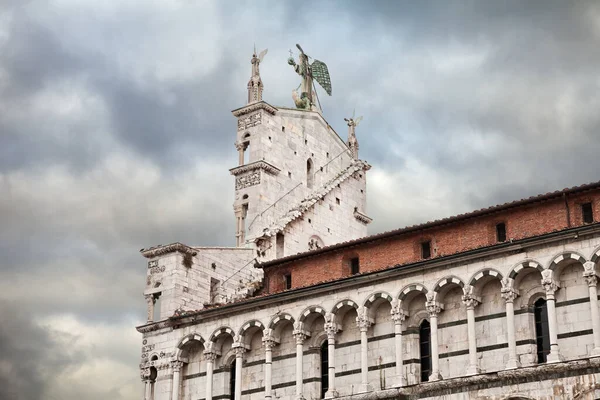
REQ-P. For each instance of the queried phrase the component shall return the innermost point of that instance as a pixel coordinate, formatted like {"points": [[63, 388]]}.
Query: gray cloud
{"points": [[116, 134]]}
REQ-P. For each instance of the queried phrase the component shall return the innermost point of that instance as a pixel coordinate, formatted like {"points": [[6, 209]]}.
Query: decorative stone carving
{"points": [[254, 107], [470, 300], [268, 339], [548, 282], [362, 217], [363, 322], [432, 306], [145, 374], [157, 270], [249, 121], [330, 327], [153, 263], [247, 180], [256, 165], [170, 248], [398, 314], [176, 365]]}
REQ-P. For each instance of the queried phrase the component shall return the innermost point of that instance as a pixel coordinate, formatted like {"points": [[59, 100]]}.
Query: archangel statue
{"points": [[352, 141], [318, 71]]}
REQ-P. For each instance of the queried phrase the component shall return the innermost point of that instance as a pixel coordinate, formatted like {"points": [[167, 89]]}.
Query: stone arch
{"points": [[280, 318], [310, 173], [309, 316], [372, 299], [415, 319], [522, 265], [595, 255], [309, 310], [481, 277], [446, 283], [185, 340], [343, 304], [566, 255], [250, 324], [407, 290], [224, 330]]}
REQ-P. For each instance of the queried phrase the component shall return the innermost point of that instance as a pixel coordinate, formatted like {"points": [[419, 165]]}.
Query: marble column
{"points": [[239, 351], [589, 274], [300, 337], [363, 322], [398, 316], [150, 300], [240, 148], [268, 343], [509, 294], [331, 329], [551, 286], [239, 233], [434, 308], [210, 356], [145, 375], [176, 366], [471, 301]]}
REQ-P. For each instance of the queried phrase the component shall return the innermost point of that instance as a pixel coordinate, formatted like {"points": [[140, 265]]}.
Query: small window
{"points": [[214, 289], [279, 245], [337, 201], [157, 307], [501, 232], [354, 266], [288, 281], [327, 155], [305, 141], [324, 369], [426, 249], [425, 350], [283, 129], [289, 174], [587, 213]]}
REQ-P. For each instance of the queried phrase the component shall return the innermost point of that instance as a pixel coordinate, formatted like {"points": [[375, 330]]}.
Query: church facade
{"points": [[499, 303]]}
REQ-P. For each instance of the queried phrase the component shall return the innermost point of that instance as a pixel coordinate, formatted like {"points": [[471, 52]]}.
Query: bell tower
{"points": [[298, 184]]}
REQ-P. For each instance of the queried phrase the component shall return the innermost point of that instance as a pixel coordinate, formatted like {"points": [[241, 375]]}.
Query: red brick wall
{"points": [[521, 222]]}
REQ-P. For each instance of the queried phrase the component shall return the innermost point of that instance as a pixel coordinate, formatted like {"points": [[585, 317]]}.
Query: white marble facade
{"points": [[372, 324]]}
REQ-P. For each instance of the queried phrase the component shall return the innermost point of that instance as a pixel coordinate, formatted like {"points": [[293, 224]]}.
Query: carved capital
{"points": [[470, 301], [363, 323], [210, 355], [398, 314], [240, 146], [548, 282], [589, 273], [268, 340], [509, 295], [433, 307], [330, 327], [176, 365], [145, 374], [239, 350], [300, 336]]}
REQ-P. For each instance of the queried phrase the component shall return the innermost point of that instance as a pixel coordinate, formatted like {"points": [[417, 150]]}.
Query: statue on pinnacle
{"points": [[308, 99]]}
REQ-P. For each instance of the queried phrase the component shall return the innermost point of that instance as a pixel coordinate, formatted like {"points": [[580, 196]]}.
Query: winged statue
{"points": [[317, 71]]}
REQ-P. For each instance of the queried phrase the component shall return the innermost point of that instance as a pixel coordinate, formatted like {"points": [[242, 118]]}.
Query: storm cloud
{"points": [[116, 134]]}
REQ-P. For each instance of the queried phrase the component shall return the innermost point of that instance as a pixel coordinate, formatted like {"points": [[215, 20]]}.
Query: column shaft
{"points": [[513, 361], [299, 369], [364, 365], [399, 357], [554, 355], [595, 318], [176, 384], [148, 390], [435, 358], [238, 376], [209, 378], [331, 367], [473, 369], [268, 371]]}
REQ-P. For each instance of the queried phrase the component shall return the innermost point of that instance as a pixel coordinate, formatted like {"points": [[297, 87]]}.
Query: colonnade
{"points": [[398, 315]]}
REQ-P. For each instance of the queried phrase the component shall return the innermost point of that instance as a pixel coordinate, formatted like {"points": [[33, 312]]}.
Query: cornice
{"points": [[261, 105], [160, 250], [261, 164], [362, 217]]}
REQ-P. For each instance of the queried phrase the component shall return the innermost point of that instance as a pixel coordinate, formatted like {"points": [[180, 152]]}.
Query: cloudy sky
{"points": [[116, 134]]}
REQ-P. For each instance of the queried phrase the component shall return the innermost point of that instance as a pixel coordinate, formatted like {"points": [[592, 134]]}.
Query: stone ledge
{"points": [[261, 105], [493, 379], [265, 166], [362, 217], [160, 250]]}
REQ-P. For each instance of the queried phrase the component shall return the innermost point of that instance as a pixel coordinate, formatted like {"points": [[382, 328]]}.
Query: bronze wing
{"points": [[321, 75]]}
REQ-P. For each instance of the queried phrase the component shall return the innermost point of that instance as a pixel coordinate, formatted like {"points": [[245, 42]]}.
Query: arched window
{"points": [[542, 337], [232, 380], [324, 369], [309, 173], [425, 350]]}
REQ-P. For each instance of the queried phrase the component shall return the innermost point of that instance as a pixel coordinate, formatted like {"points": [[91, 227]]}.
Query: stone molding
{"points": [[261, 165], [362, 218], [170, 248], [254, 107], [471, 383]]}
